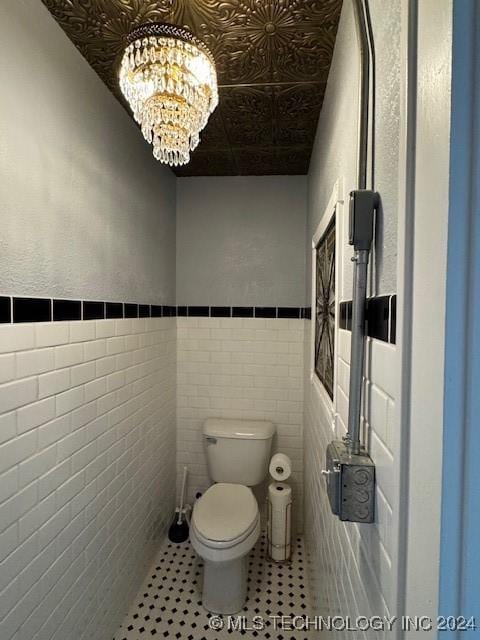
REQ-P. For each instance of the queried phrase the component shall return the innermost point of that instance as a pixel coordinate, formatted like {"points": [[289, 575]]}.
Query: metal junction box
{"points": [[350, 483]]}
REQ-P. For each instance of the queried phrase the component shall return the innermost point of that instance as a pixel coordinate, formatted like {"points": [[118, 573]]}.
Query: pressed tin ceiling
{"points": [[272, 58]]}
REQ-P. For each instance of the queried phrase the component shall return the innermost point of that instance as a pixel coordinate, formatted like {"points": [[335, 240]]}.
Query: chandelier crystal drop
{"points": [[168, 77]]}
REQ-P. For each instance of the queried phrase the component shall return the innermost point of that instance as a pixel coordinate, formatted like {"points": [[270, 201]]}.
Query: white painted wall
{"points": [[428, 286], [334, 154], [86, 211], [386, 23], [241, 241], [87, 410]]}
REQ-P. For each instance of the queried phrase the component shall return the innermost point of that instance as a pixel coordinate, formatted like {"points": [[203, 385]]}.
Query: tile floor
{"points": [[169, 603]]}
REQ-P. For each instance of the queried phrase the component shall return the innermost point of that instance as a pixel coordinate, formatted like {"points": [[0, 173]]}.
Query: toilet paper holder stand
{"points": [[287, 545]]}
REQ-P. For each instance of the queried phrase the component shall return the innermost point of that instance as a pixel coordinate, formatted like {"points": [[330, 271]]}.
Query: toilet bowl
{"points": [[225, 526], [225, 523]]}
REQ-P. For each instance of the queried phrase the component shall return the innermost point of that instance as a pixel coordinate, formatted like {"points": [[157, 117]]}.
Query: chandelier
{"points": [[168, 77]]}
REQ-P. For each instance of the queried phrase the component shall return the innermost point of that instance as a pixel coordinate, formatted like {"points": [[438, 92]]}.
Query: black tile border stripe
{"points": [[293, 313], [381, 317], [393, 319], [265, 312], [32, 309], [169, 311], [131, 310], [199, 312], [93, 310], [143, 310], [219, 312], [67, 310], [5, 309], [113, 310], [20, 309], [242, 312]]}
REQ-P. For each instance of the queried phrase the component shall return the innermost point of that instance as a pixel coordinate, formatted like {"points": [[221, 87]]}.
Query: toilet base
{"points": [[225, 585]]}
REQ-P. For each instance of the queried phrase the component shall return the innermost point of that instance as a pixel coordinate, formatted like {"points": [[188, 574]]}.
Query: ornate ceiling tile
{"points": [[238, 106], [272, 57], [303, 100], [291, 53], [291, 160], [214, 135], [213, 162]]}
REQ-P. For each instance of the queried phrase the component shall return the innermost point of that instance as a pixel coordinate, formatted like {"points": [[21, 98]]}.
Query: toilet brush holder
{"points": [[279, 517], [179, 529]]}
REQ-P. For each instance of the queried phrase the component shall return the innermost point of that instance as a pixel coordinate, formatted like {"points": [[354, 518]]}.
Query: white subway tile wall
{"points": [[351, 564], [87, 458], [250, 368], [87, 471]]}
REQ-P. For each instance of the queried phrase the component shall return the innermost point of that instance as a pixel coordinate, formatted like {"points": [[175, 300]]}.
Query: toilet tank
{"points": [[238, 451]]}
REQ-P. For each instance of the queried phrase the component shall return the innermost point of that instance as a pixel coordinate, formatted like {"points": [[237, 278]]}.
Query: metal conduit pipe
{"points": [[363, 116], [360, 258]]}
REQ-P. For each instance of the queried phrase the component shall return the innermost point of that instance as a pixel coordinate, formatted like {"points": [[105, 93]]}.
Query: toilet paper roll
{"points": [[279, 520], [280, 467]]}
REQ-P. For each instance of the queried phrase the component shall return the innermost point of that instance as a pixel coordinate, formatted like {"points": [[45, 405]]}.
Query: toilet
{"points": [[225, 523]]}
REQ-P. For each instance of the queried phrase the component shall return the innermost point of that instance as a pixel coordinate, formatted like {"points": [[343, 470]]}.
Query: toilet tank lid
{"points": [[240, 429]]}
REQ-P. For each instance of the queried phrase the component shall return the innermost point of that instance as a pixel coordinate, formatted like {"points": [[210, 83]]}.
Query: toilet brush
{"points": [[178, 531]]}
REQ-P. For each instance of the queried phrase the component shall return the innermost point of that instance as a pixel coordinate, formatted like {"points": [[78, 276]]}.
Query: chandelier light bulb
{"points": [[169, 79]]}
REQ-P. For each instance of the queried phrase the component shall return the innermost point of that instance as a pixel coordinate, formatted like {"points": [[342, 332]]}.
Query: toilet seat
{"points": [[225, 552], [225, 514], [225, 511], [224, 544]]}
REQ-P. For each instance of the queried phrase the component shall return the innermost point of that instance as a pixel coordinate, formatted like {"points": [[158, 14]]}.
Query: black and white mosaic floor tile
{"points": [[169, 603]]}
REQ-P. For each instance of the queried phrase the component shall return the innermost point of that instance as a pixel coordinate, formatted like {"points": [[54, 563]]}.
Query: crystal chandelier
{"points": [[168, 77]]}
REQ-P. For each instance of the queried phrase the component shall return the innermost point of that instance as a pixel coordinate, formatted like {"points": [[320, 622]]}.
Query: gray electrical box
{"points": [[350, 483], [362, 207]]}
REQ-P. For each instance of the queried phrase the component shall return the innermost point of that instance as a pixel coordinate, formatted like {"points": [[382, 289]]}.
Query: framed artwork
{"points": [[325, 308], [325, 297]]}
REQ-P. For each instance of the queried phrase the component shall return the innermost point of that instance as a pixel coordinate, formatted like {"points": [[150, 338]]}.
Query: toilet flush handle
{"points": [[210, 440]]}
